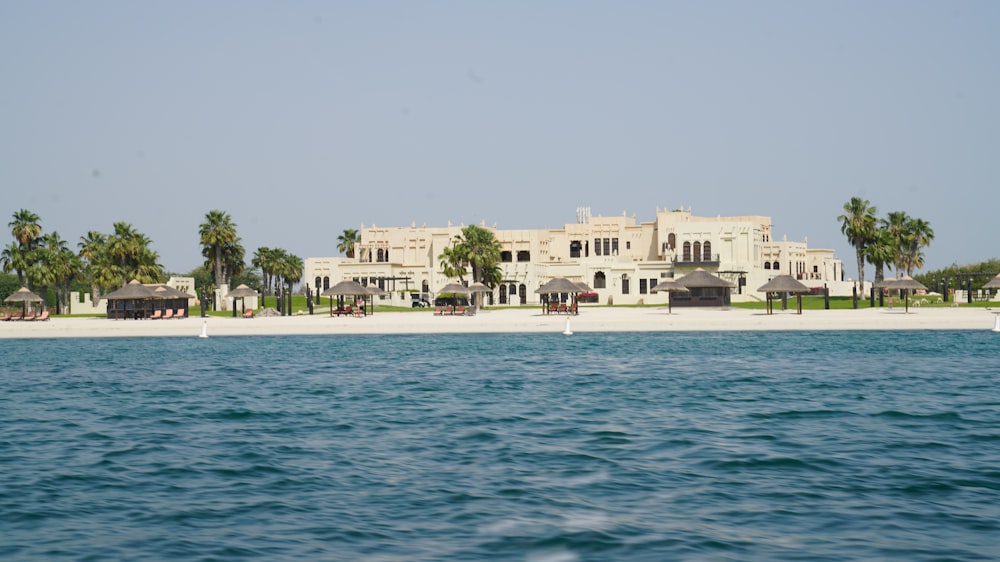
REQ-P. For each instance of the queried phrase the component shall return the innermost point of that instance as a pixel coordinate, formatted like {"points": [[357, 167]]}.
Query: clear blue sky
{"points": [[302, 119]]}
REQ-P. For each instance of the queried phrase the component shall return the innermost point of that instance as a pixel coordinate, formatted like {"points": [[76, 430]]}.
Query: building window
{"points": [[624, 284], [506, 256], [574, 248], [326, 283], [697, 251], [318, 281], [707, 252], [380, 255], [642, 286], [767, 265], [503, 294], [599, 280], [597, 246], [523, 293], [607, 246], [628, 244], [671, 241], [775, 266], [424, 287], [524, 255], [614, 246], [687, 251]]}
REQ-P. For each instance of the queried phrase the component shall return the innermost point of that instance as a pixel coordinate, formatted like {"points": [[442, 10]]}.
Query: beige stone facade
{"points": [[620, 258]]}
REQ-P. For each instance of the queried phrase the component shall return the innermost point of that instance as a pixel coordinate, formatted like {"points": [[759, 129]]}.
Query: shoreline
{"points": [[517, 320]]}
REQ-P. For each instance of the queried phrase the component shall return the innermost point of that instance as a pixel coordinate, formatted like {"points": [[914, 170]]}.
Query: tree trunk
{"points": [[861, 267]]}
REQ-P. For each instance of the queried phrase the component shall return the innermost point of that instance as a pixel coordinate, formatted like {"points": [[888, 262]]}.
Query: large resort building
{"points": [[619, 258]]}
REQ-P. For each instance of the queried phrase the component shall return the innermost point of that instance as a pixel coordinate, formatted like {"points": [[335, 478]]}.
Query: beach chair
{"points": [[562, 309], [438, 310], [553, 308], [460, 311], [17, 316], [5, 317], [43, 317], [179, 313], [30, 316], [573, 309], [168, 313], [248, 313], [157, 314]]}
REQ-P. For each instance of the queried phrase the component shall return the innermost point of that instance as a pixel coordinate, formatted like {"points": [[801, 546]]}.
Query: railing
{"points": [[714, 261]]}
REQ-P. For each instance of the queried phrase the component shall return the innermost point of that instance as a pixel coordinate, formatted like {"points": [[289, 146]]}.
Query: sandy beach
{"points": [[602, 319]]}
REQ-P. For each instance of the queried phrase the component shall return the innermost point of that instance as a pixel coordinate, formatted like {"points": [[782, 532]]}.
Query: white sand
{"points": [[601, 319]]}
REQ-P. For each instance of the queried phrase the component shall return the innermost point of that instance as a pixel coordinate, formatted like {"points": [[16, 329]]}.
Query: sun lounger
{"points": [[562, 308], [5, 317], [169, 313], [460, 311], [248, 313], [17, 316], [179, 313], [438, 310], [43, 317], [573, 309], [157, 314], [553, 308], [30, 316]]}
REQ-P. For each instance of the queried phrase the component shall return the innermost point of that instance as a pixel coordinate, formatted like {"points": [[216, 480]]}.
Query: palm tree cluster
{"points": [[277, 265], [895, 241], [221, 247], [107, 262], [347, 241], [475, 247]]}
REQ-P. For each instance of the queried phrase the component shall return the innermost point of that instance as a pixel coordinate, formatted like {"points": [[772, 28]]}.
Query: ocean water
{"points": [[531, 447]]}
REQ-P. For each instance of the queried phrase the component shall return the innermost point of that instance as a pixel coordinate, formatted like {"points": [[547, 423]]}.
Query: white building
{"points": [[621, 259]]}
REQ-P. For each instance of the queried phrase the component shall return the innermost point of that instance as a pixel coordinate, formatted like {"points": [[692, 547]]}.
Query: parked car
{"points": [[417, 301]]}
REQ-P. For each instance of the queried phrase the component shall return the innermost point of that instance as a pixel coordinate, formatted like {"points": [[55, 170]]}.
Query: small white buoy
{"points": [[204, 329], [567, 331], [996, 327]]}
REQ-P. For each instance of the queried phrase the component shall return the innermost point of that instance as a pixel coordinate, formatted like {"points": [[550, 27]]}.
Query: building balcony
{"points": [[680, 261]]}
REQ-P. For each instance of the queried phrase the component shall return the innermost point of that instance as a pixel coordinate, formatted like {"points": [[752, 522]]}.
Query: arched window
{"points": [[687, 251], [512, 292], [599, 281], [767, 265], [524, 255], [697, 251], [503, 294], [707, 252], [671, 241], [523, 293], [775, 266], [574, 248], [624, 284], [381, 255], [318, 281]]}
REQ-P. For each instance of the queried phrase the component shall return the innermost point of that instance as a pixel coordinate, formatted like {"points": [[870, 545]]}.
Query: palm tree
{"points": [[93, 249], [216, 233], [25, 228], [128, 257], [858, 224], [57, 267], [881, 251], [453, 261], [895, 224], [480, 249], [919, 235], [347, 241], [13, 258]]}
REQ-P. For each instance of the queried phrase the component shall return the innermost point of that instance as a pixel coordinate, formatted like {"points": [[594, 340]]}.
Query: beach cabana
{"points": [[133, 301], [704, 289], [455, 290], [669, 286], [993, 283], [23, 296], [906, 284], [346, 288], [374, 291], [557, 286], [171, 302], [783, 284]]}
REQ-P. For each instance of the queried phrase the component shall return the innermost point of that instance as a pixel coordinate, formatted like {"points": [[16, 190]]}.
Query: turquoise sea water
{"points": [[542, 448]]}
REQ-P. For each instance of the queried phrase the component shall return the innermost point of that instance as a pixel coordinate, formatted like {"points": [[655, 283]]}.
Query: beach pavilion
{"points": [[704, 289], [669, 286], [23, 296], [784, 285], [906, 284], [133, 301], [563, 289], [346, 288]]}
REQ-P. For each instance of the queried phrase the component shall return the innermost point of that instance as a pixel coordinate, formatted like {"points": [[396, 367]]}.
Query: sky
{"points": [[303, 119]]}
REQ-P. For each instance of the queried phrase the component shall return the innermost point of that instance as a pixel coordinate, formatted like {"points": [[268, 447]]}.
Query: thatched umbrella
{"points": [[479, 288], [993, 283], [344, 288], [783, 284], [669, 286], [907, 284], [374, 291], [136, 293], [454, 288], [23, 296], [556, 286], [241, 292]]}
